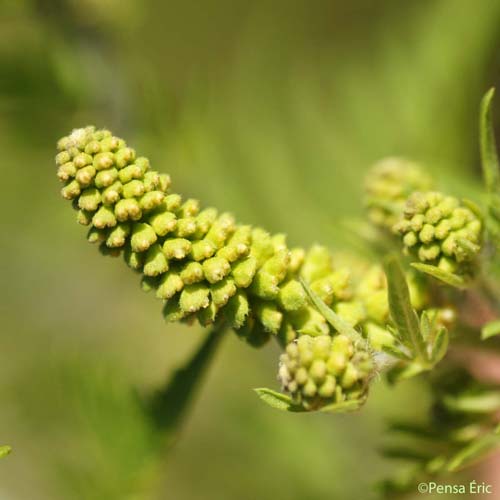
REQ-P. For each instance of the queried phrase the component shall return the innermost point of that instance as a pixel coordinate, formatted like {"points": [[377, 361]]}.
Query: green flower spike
{"points": [[317, 371], [388, 185], [440, 231], [201, 263]]}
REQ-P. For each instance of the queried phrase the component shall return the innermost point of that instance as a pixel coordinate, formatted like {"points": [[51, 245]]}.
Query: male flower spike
{"points": [[201, 263]]}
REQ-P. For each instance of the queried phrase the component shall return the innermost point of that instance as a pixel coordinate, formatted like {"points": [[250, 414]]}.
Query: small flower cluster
{"points": [[439, 230], [317, 371]]}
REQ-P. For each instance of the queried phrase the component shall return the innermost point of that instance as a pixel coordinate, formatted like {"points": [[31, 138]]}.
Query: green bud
{"points": [[244, 271], [103, 161], [66, 171], [142, 237], [269, 316], [222, 291], [176, 248], [155, 262], [170, 284], [71, 190], [292, 296], [151, 200], [117, 237], [89, 200], [192, 273], [201, 250], [129, 173], [128, 210], [194, 297], [103, 218], [186, 227], [173, 202], [163, 223], [133, 189], [216, 269], [237, 310], [112, 194], [133, 259], [124, 156]]}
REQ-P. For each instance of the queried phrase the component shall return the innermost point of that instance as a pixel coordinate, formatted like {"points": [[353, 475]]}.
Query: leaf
{"points": [[414, 430], [489, 157], [435, 272], [484, 402], [396, 352], [404, 316], [473, 452], [440, 345], [490, 330], [277, 400], [404, 371], [331, 316], [169, 405], [344, 407], [4, 451]]}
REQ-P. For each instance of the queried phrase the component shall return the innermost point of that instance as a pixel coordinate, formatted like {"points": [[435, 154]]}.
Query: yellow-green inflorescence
{"points": [[388, 185], [440, 230], [314, 370], [205, 266]]}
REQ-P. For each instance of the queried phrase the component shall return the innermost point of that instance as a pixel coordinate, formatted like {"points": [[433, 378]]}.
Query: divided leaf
{"points": [[444, 276], [404, 316], [277, 400], [331, 316], [489, 157], [473, 452]]}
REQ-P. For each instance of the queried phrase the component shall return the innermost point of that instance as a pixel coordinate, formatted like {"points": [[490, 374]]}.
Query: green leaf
{"points": [[440, 345], [277, 400], [170, 404], [483, 402], [489, 157], [403, 315], [396, 352], [331, 316], [404, 371], [344, 407], [490, 330], [435, 272], [473, 452], [4, 451]]}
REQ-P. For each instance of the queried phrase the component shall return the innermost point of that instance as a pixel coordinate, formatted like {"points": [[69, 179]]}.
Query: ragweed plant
{"points": [[339, 321]]}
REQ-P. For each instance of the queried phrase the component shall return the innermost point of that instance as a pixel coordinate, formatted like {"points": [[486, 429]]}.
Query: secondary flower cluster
{"points": [[439, 230], [318, 370]]}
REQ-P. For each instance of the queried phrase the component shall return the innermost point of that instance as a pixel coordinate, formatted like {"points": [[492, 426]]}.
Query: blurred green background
{"points": [[270, 109]]}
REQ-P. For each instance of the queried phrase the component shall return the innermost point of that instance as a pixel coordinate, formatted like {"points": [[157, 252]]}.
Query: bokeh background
{"points": [[270, 109]]}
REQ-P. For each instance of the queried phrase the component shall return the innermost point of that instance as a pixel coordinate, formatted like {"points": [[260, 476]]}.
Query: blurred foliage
{"points": [[272, 110]]}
